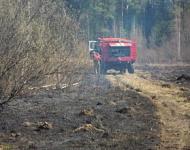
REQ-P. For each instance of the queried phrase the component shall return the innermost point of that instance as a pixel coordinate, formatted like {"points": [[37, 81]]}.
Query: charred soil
{"points": [[147, 110]]}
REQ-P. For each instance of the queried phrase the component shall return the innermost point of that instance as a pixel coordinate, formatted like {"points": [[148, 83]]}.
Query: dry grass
{"points": [[170, 104], [87, 112], [88, 127], [5, 147]]}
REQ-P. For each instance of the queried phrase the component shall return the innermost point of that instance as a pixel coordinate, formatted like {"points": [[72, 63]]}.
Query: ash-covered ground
{"points": [[147, 110]]}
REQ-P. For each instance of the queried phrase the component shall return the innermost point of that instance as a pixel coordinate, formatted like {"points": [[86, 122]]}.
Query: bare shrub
{"points": [[38, 45]]}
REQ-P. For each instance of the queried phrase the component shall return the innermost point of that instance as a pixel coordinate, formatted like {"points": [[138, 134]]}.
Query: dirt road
{"points": [[147, 110]]}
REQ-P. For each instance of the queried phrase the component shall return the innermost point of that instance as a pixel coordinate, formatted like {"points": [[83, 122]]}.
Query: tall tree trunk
{"points": [[179, 35]]}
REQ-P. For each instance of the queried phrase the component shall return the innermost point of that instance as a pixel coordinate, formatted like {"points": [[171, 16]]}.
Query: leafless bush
{"points": [[38, 44]]}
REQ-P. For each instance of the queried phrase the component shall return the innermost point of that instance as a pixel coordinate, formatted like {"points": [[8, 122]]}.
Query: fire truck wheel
{"points": [[130, 68]]}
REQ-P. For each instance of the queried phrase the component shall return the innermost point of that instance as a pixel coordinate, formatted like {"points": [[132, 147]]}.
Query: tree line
{"points": [[153, 23]]}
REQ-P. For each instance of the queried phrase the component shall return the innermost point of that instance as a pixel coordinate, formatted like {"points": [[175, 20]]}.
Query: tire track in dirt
{"points": [[170, 106]]}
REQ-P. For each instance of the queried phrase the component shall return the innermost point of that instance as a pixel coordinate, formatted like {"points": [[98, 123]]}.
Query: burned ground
{"points": [[140, 111]]}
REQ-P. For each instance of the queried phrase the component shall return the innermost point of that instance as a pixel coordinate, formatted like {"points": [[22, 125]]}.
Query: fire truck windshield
{"points": [[119, 51]]}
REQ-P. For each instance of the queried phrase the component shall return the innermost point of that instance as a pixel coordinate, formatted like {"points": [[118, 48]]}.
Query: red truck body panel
{"points": [[114, 53], [106, 43]]}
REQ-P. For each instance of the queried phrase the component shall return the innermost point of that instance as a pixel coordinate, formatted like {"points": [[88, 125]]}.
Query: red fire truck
{"points": [[113, 53]]}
